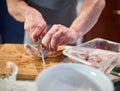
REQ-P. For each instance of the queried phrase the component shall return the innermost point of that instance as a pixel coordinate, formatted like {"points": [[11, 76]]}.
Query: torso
{"points": [[56, 11]]}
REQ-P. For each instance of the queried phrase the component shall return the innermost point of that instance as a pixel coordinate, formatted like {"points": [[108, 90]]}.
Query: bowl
{"points": [[8, 73], [73, 77]]}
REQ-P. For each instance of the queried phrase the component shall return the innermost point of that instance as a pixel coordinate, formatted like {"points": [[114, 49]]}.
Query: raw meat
{"points": [[95, 56]]}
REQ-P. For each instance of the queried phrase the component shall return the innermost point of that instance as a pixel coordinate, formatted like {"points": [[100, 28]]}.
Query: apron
{"points": [[56, 11]]}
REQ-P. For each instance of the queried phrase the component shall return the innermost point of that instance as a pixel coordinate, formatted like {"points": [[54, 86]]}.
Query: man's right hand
{"points": [[35, 25]]}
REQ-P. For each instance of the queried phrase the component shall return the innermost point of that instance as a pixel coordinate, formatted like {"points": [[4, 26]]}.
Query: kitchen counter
{"points": [[25, 82], [24, 85]]}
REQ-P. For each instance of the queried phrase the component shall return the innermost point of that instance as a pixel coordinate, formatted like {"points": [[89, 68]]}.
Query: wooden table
{"points": [[29, 66]]}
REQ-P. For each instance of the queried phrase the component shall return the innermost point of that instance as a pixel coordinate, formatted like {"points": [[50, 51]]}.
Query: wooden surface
{"points": [[29, 66]]}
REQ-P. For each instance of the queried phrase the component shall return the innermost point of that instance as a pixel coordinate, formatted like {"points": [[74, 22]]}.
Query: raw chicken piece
{"points": [[95, 59], [32, 50], [82, 54], [98, 58], [35, 52], [110, 56], [93, 56]]}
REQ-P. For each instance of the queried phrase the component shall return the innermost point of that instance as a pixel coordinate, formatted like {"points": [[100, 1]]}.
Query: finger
{"points": [[38, 31], [55, 40], [29, 27], [43, 28], [43, 33], [28, 24], [47, 38], [33, 36]]}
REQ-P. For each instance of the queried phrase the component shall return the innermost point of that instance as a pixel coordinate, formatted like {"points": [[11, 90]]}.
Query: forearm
{"points": [[19, 10], [90, 12]]}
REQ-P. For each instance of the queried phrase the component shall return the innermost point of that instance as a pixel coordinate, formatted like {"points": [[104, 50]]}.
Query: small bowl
{"points": [[8, 73]]}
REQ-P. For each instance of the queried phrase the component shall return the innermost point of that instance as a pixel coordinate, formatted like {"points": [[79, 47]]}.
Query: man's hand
{"points": [[35, 25], [59, 35]]}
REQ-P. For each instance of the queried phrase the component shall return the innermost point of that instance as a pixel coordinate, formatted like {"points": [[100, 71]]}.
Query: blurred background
{"points": [[107, 27]]}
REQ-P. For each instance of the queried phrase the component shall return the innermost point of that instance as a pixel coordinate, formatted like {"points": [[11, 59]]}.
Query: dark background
{"points": [[11, 31], [108, 25]]}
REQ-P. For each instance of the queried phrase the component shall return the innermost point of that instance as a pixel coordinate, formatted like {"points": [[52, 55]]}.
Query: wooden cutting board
{"points": [[29, 66]]}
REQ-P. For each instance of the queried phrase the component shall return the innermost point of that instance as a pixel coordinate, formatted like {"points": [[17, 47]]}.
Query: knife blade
{"points": [[43, 53]]}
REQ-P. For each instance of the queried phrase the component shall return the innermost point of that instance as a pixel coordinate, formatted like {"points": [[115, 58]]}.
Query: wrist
{"points": [[78, 34], [32, 13]]}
